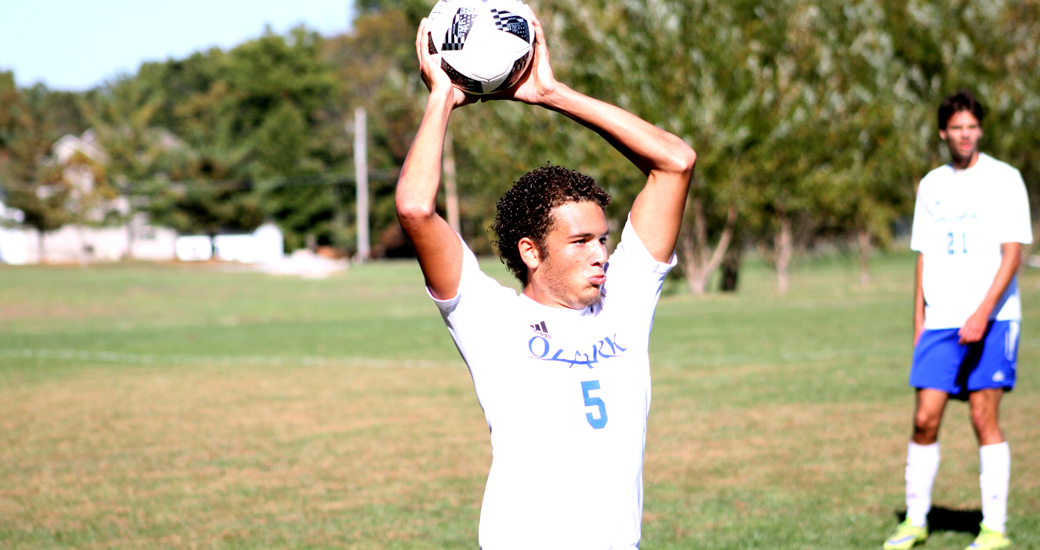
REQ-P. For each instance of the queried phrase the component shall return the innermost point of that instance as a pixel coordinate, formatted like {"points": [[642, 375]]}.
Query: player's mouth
{"points": [[598, 280]]}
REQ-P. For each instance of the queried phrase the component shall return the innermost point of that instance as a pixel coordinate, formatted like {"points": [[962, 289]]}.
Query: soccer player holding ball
{"points": [[562, 370], [970, 221]]}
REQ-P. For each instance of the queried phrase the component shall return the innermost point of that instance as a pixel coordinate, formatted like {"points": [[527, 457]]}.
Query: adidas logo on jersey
{"points": [[999, 376], [541, 330]]}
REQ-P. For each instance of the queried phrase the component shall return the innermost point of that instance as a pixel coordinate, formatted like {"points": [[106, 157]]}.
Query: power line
{"points": [[155, 187]]}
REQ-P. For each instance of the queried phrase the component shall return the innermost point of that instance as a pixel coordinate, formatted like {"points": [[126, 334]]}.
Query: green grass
{"points": [[171, 406]]}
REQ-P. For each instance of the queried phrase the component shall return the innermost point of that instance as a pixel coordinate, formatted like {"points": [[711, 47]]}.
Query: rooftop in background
{"points": [[70, 45]]}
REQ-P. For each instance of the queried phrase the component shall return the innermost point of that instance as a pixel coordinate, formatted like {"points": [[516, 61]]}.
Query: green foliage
{"points": [[30, 121], [814, 115], [256, 112], [414, 10]]}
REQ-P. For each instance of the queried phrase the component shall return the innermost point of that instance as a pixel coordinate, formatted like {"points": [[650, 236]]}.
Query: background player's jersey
{"points": [[566, 394], [960, 220]]}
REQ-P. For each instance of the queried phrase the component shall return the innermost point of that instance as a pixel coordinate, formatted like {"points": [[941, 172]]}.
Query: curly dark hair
{"points": [[526, 210]]}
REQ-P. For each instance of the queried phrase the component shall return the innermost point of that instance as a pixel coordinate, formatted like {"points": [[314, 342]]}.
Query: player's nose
{"points": [[599, 257]]}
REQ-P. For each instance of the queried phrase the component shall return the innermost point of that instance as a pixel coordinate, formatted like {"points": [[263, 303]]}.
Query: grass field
{"points": [[146, 406]]}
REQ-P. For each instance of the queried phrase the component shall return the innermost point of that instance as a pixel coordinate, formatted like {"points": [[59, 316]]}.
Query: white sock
{"points": [[995, 466], [922, 463]]}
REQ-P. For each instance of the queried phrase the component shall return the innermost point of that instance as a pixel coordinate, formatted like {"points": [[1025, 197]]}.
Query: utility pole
{"points": [[361, 175]]}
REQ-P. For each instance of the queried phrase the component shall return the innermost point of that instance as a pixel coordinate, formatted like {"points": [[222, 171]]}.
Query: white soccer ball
{"points": [[485, 45]]}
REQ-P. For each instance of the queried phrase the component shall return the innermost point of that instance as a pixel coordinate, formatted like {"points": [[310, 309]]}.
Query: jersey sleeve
{"points": [[474, 313], [475, 287], [634, 277], [1015, 223], [919, 227]]}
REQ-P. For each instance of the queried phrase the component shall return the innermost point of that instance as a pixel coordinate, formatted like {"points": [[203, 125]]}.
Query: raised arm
{"points": [[436, 245], [662, 157]]}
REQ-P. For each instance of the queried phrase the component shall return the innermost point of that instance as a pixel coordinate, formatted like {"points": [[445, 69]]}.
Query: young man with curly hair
{"points": [[970, 222], [562, 370]]}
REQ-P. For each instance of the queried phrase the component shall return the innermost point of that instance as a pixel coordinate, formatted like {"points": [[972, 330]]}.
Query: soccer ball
{"points": [[485, 45]]}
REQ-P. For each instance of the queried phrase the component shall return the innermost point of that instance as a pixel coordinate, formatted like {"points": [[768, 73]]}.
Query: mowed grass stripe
{"points": [[152, 359]]}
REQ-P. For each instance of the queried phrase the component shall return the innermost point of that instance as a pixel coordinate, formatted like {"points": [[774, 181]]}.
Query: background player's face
{"points": [[574, 271], [962, 135]]}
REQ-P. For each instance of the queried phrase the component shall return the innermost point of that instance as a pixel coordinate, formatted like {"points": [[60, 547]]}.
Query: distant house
{"points": [[87, 145], [136, 238]]}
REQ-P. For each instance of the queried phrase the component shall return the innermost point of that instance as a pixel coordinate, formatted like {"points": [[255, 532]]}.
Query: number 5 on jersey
{"points": [[592, 401]]}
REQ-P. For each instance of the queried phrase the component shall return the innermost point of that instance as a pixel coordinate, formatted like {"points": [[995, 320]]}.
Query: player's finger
{"points": [[541, 47], [419, 37], [539, 36], [530, 14]]}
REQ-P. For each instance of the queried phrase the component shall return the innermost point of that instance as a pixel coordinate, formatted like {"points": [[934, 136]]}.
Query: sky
{"points": [[78, 44]]}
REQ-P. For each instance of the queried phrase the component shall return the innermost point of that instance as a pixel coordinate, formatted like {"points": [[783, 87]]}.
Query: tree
{"points": [[249, 118], [28, 180]]}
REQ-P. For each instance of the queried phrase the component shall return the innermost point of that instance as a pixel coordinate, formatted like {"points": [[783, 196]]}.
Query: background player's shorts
{"points": [[941, 363]]}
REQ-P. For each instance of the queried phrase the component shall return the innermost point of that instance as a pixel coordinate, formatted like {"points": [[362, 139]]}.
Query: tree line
{"points": [[813, 121]]}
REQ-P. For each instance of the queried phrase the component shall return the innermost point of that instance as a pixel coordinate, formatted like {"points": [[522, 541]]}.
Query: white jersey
{"points": [[960, 220], [566, 394]]}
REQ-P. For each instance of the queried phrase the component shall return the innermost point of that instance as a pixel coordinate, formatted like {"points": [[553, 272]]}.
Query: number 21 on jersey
{"points": [[597, 422], [951, 244]]}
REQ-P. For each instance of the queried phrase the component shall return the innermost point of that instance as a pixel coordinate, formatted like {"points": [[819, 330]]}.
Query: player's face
{"points": [[573, 273], [962, 135]]}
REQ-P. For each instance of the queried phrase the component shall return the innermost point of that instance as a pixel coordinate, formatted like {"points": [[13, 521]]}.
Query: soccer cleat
{"points": [[989, 539], [907, 536]]}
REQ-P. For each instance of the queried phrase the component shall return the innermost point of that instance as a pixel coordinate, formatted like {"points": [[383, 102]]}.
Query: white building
{"points": [[136, 238], [263, 246]]}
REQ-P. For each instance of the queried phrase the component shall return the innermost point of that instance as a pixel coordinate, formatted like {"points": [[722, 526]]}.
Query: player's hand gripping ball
{"points": [[485, 45]]}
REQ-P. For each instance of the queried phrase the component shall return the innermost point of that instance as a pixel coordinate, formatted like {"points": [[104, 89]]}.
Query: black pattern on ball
{"points": [[465, 83], [512, 24], [514, 74], [461, 24]]}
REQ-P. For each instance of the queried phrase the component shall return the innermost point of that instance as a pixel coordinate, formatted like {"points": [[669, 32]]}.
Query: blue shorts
{"points": [[941, 363]]}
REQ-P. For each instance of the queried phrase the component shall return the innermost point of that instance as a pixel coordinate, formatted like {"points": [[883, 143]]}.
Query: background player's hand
{"points": [[433, 75], [974, 328], [539, 80]]}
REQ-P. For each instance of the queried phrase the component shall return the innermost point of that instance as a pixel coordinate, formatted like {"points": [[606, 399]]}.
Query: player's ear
{"points": [[529, 252], [942, 135]]}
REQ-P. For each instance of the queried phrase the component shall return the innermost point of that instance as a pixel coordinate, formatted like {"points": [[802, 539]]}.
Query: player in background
{"points": [[562, 370], [970, 221]]}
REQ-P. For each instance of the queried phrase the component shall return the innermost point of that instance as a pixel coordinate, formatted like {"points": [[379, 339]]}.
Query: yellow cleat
{"points": [[989, 539], [907, 536]]}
